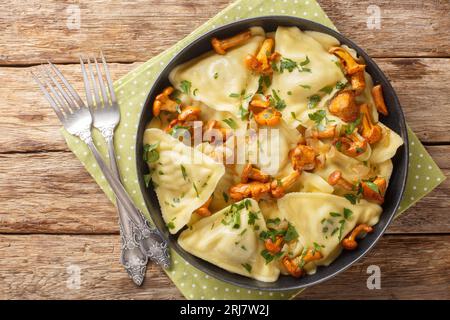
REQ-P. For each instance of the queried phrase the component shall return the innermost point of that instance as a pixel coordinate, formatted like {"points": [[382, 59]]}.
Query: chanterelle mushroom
{"points": [[351, 145], [204, 209], [336, 178], [358, 82], [163, 102], [350, 64], [377, 94], [221, 46], [261, 63], [251, 173], [188, 114], [279, 187], [254, 189], [349, 242], [370, 131], [264, 114], [344, 106], [302, 157], [374, 190]]}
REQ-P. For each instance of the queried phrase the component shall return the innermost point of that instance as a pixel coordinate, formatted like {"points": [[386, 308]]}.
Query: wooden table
{"points": [[52, 214]]}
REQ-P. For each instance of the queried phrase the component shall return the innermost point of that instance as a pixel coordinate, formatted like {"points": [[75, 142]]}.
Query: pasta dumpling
{"points": [[387, 147], [183, 177], [220, 81], [298, 87], [230, 239], [324, 220]]}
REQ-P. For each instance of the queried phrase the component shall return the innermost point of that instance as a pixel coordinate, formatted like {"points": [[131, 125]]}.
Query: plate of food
{"points": [[272, 153]]}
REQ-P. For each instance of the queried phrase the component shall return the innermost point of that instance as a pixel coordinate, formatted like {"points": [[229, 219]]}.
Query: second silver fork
{"points": [[102, 103]]}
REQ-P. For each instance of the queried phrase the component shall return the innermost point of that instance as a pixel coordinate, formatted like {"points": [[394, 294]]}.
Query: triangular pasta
{"points": [[230, 240], [317, 218], [183, 177], [221, 81]]}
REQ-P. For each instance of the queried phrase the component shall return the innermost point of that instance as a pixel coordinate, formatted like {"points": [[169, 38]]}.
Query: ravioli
{"points": [[310, 214], [184, 178], [221, 81], [296, 88], [387, 147], [230, 239]]}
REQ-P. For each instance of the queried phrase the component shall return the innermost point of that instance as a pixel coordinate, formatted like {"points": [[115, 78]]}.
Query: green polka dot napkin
{"points": [[132, 90]]}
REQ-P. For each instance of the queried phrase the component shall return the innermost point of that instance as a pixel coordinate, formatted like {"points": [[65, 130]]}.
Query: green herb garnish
{"points": [[352, 126], [327, 89], [291, 233], [313, 101], [196, 190], [186, 86], [147, 179], [276, 101], [231, 123], [183, 172], [151, 155], [225, 196], [247, 267]]}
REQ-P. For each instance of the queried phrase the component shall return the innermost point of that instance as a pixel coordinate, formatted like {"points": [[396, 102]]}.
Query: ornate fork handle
{"points": [[150, 240], [161, 255]]}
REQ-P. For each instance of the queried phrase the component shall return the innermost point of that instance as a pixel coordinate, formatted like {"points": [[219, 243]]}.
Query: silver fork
{"points": [[77, 120], [106, 115]]}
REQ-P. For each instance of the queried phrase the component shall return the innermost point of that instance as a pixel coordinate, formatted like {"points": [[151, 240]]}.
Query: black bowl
{"points": [[395, 120]]}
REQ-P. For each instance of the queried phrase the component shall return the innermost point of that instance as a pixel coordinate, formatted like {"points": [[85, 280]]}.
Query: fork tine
{"points": [[49, 98], [56, 94], [94, 84], [102, 85], [112, 94], [70, 103], [87, 86], [67, 85]]}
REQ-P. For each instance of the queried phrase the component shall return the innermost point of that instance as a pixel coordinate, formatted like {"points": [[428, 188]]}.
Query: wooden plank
{"points": [[135, 31], [27, 122], [44, 259], [418, 82], [53, 198], [423, 94]]}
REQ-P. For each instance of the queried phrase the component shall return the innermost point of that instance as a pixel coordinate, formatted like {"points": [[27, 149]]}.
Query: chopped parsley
{"points": [[234, 95], [313, 101], [150, 153], [269, 257], [216, 75], [183, 172], [231, 123], [171, 225], [195, 92], [275, 221], [351, 197], [340, 85], [276, 101], [352, 126], [335, 214], [290, 65], [225, 196], [318, 116], [243, 113], [347, 213], [186, 86], [264, 82], [247, 267], [372, 186], [326, 89], [147, 179], [291, 233], [252, 217], [196, 190], [305, 86]]}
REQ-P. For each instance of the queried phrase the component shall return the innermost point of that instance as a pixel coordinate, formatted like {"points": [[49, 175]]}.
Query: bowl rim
{"points": [[298, 22]]}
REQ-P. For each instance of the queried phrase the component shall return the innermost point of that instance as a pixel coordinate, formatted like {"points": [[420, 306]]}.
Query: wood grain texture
{"points": [[27, 123], [137, 30], [421, 84], [51, 197], [409, 268]]}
